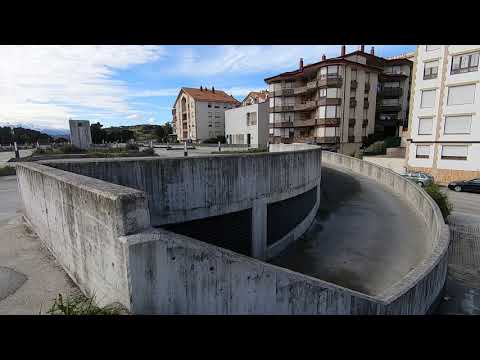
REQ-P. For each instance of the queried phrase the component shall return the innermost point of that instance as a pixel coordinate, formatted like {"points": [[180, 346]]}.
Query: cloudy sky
{"points": [[44, 86]]}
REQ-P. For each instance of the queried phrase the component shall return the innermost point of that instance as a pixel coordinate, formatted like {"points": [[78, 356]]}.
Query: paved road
{"points": [[463, 202], [364, 237], [30, 278], [7, 155]]}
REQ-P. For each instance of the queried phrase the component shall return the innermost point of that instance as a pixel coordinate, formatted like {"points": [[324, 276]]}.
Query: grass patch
{"points": [[81, 305], [440, 198], [7, 170]]}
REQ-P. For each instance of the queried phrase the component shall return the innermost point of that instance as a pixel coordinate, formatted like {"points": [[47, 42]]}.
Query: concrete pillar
{"points": [[259, 229]]}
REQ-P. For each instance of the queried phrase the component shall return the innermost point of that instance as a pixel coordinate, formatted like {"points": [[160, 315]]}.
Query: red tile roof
{"points": [[209, 95], [257, 95]]}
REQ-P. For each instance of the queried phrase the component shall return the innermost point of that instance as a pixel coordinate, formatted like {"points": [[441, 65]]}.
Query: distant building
{"points": [[444, 131], [247, 125], [255, 97], [199, 114], [80, 134]]}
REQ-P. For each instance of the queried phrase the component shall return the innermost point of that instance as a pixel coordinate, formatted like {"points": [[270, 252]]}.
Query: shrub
{"points": [[7, 170], [70, 149], [393, 141], [148, 152], [440, 198], [81, 305], [377, 148], [132, 147]]}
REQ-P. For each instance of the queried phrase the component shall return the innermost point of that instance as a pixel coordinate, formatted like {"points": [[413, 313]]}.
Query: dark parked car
{"points": [[419, 178], [468, 185]]}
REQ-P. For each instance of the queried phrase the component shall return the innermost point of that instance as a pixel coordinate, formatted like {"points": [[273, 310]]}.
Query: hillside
{"points": [[141, 132]]}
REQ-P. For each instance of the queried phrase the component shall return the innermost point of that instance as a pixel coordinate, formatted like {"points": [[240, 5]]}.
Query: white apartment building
{"points": [[199, 114], [444, 137], [247, 125]]}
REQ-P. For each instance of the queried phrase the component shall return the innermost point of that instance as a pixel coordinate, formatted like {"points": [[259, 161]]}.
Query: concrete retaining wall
{"points": [[185, 189], [80, 219]]}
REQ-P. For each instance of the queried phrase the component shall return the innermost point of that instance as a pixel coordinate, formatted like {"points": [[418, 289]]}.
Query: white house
{"points": [[444, 137], [247, 125]]}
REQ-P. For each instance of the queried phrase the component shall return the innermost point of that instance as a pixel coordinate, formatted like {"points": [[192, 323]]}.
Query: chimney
{"points": [[324, 57], [201, 88], [301, 64], [213, 89], [362, 48], [343, 50], [372, 51]]}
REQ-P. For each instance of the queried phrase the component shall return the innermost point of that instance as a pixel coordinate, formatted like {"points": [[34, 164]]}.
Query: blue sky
{"points": [[44, 86]]}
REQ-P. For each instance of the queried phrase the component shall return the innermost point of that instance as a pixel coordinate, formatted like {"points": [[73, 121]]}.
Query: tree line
{"points": [[23, 136], [124, 134]]}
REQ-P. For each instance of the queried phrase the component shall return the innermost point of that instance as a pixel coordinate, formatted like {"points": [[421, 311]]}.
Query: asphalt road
{"points": [[364, 237]]}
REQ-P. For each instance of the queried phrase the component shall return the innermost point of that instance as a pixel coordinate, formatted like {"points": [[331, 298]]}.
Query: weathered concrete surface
{"points": [[10, 281], [364, 237], [79, 219], [22, 252]]}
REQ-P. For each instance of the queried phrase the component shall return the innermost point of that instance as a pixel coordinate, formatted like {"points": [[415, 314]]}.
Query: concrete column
{"points": [[259, 229]]}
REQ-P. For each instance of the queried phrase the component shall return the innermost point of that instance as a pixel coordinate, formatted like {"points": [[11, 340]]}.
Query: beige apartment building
{"points": [[333, 103], [199, 114], [255, 97]]}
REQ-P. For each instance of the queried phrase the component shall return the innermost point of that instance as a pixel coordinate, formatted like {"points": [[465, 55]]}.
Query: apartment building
{"points": [[255, 97], [444, 131], [338, 102], [247, 125], [199, 114]]}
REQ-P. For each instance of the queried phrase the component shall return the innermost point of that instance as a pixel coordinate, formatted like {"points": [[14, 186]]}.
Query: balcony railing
{"points": [[391, 92], [327, 140], [281, 108], [328, 122], [308, 105], [312, 84], [283, 124], [304, 122], [283, 92], [300, 90], [330, 81], [329, 101]]}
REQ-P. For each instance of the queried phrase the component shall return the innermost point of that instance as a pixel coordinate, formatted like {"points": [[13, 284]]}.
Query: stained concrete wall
{"points": [[185, 189], [80, 219], [80, 134]]}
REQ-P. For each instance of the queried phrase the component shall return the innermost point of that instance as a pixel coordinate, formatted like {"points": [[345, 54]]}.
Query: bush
{"points": [[377, 148], [7, 170], [222, 140], [132, 147], [440, 198], [70, 149], [148, 152], [393, 141]]}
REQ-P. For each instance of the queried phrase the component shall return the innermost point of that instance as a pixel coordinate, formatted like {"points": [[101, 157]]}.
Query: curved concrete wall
{"points": [[416, 292], [184, 189]]}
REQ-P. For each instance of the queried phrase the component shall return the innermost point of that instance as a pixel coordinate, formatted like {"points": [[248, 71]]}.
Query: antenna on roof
{"points": [[201, 88], [213, 89]]}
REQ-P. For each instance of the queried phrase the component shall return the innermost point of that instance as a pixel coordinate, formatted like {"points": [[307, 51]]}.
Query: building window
{"points": [[454, 152], [352, 113], [393, 70], [332, 93], [209, 105], [428, 99], [423, 152], [354, 74], [331, 131], [432, 47], [430, 70], [251, 118], [394, 84], [270, 131], [323, 92], [425, 126], [461, 95], [217, 107], [464, 63], [460, 124], [328, 112], [365, 114]]}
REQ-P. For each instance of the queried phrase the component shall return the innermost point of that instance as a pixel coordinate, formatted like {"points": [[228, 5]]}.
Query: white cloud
{"points": [[151, 120], [134, 117], [45, 85]]}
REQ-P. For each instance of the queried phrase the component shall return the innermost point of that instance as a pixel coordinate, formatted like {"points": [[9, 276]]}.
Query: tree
{"points": [[98, 134], [163, 131]]}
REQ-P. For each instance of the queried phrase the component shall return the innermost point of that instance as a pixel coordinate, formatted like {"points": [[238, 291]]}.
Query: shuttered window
{"points": [[460, 95], [423, 151], [454, 152], [458, 124], [425, 126], [428, 99]]}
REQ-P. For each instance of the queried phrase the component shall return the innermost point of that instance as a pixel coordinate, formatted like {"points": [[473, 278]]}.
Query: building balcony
{"points": [[300, 90], [353, 102], [281, 108], [284, 124], [351, 122], [283, 92], [353, 84], [304, 123], [328, 122], [312, 84], [391, 92], [330, 81], [307, 105], [365, 123], [351, 139], [327, 140], [329, 101]]}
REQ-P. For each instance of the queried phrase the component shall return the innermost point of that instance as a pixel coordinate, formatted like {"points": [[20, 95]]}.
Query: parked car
{"points": [[421, 179], [468, 185]]}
